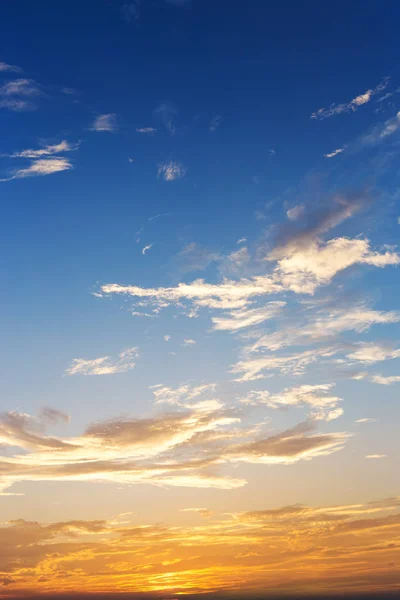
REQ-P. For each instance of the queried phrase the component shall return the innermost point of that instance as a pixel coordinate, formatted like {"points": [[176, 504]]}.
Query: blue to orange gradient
{"points": [[199, 298]]}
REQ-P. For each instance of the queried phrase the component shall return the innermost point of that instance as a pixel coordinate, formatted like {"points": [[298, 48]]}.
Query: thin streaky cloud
{"points": [[375, 456], [40, 167], [366, 420], [147, 130], [4, 67], [105, 122], [49, 150], [352, 105], [334, 153]]}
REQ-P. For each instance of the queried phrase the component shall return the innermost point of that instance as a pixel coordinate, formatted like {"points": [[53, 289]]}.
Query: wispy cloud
{"points": [[334, 153], [48, 150], [44, 166], [131, 11], [146, 248], [325, 406], [106, 365], [172, 170], [203, 512], [4, 67], [372, 352], [215, 123], [168, 115], [106, 122], [147, 130], [17, 95], [352, 105]]}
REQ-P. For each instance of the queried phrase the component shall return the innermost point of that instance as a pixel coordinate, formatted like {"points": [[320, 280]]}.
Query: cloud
{"points": [[382, 131], [294, 213], [53, 416], [125, 361], [261, 367], [48, 150], [131, 11], [172, 170], [352, 106], [106, 122], [203, 512], [334, 153], [326, 324], [371, 353], [301, 235], [242, 240], [366, 420], [17, 95], [4, 67], [167, 338], [215, 123], [385, 380], [188, 342], [195, 258], [168, 115], [147, 130], [146, 248], [44, 166], [315, 396], [271, 152], [375, 456], [239, 319], [324, 550], [290, 446]]}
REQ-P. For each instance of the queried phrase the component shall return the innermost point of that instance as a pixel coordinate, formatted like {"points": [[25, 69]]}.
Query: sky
{"points": [[199, 298]]}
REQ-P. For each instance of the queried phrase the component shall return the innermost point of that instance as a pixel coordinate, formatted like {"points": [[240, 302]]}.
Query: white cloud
{"points": [[44, 166], [242, 240], [294, 213], [172, 170], [238, 319], [146, 248], [334, 153], [106, 122], [261, 367], [366, 420], [385, 380], [4, 67], [353, 105], [167, 338], [49, 150], [148, 130], [188, 342], [17, 95], [271, 152], [382, 131], [304, 270], [371, 353], [125, 361]]}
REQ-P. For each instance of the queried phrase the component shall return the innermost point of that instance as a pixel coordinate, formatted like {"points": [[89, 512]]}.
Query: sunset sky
{"points": [[200, 285]]}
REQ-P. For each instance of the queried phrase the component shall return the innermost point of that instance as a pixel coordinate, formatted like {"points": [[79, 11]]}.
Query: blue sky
{"points": [[148, 145]]}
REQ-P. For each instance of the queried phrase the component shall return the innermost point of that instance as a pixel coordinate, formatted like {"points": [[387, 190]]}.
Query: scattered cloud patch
{"points": [[172, 170], [106, 365], [295, 213], [48, 150], [106, 122], [17, 95], [44, 166], [147, 130]]}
